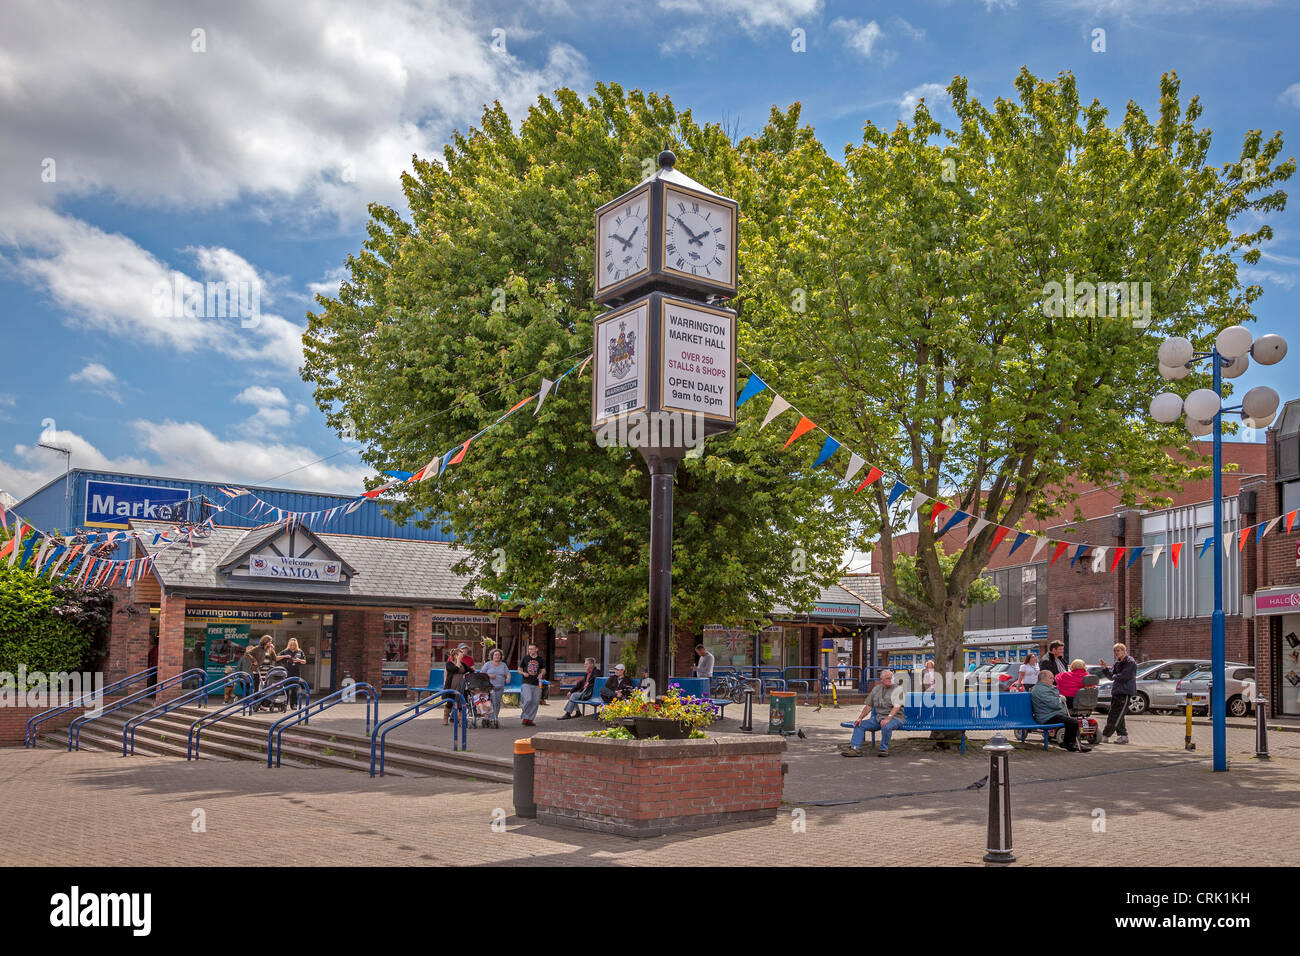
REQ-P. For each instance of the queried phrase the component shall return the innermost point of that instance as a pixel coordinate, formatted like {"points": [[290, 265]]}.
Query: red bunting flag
{"points": [[874, 475], [998, 536], [1241, 540], [1290, 519], [1119, 553], [9, 546], [939, 508], [1175, 550], [460, 455], [1060, 550], [803, 428]]}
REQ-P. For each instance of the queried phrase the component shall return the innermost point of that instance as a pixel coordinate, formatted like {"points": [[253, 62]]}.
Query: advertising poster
{"points": [[226, 644]]}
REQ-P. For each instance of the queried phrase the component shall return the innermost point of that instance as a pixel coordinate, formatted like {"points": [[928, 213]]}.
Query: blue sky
{"points": [[241, 141]]}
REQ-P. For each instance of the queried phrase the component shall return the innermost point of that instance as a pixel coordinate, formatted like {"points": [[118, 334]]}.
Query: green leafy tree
{"points": [[903, 299], [449, 317], [907, 576], [39, 628]]}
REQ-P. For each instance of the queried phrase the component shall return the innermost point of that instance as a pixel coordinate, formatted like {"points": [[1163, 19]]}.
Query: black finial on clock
{"points": [[667, 159]]}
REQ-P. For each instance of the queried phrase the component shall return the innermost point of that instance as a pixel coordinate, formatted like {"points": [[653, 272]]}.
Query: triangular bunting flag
{"points": [[976, 526], [1098, 559], [1119, 556], [1174, 551], [541, 396], [1021, 538], [895, 492], [1241, 539], [460, 455], [1137, 553], [1155, 554], [855, 465], [918, 499], [801, 429], [1040, 544], [957, 518], [779, 405], [998, 536], [1078, 554], [431, 469], [872, 476], [1264, 530], [829, 447], [1290, 518], [585, 363], [1205, 546], [1060, 550], [938, 509], [752, 388]]}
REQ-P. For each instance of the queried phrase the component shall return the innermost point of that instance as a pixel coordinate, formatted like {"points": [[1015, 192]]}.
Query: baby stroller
{"points": [[280, 699], [477, 689]]}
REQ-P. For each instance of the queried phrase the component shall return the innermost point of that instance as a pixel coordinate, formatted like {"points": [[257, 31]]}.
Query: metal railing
{"points": [[275, 736], [30, 739], [244, 706], [458, 721], [74, 728], [200, 693]]}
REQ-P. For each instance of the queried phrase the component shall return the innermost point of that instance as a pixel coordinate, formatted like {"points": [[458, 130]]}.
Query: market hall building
{"points": [[365, 598]]}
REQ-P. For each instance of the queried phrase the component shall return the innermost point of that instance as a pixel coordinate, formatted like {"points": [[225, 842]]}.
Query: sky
{"points": [[145, 146]]}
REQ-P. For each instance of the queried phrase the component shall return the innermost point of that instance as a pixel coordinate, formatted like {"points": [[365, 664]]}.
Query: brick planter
{"points": [[648, 788]]}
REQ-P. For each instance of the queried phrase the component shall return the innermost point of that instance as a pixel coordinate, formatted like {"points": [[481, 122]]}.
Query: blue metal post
{"points": [[1218, 641]]}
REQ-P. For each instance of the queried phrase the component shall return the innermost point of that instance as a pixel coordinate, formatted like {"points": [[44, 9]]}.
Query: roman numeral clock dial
{"points": [[698, 237], [623, 242]]}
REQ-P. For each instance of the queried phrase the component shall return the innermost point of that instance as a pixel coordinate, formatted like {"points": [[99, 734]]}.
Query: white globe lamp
{"points": [[1198, 429], [1174, 372], [1269, 349], [1236, 367], [1175, 351], [1260, 402], [1202, 405], [1233, 341], [1166, 407]]}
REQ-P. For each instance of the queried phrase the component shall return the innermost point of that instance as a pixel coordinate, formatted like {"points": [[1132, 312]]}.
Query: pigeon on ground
{"points": [[801, 735], [979, 784]]}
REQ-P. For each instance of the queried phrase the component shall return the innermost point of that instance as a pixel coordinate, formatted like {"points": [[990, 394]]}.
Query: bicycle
{"points": [[729, 687]]}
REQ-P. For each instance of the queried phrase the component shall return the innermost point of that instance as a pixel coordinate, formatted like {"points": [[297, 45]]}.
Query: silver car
{"points": [[1239, 690], [1157, 685]]}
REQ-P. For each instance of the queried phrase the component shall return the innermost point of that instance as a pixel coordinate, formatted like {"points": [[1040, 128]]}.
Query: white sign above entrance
{"points": [[303, 569]]}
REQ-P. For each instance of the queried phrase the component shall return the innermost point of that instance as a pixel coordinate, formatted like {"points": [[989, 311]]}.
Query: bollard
{"points": [[1187, 739], [747, 722], [999, 842], [1261, 731], [525, 758]]}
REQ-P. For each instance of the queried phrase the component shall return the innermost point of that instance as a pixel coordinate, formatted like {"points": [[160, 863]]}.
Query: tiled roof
{"points": [[850, 590]]}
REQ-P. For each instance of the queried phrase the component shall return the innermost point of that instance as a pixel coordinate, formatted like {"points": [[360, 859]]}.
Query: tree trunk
{"points": [[949, 660]]}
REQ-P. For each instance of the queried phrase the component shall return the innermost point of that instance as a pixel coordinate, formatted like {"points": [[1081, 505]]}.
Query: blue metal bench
{"points": [[927, 712], [436, 677], [698, 687]]}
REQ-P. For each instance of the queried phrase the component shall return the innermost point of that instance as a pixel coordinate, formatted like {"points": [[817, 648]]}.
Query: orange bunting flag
{"points": [[803, 428], [939, 508], [1174, 551], [873, 475], [1060, 550], [1241, 540], [1290, 519], [1119, 553], [998, 536], [460, 455], [9, 546]]}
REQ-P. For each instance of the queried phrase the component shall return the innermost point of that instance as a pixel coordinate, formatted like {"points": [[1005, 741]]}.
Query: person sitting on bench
{"points": [[1070, 682], [1049, 708], [582, 690], [618, 686], [885, 703]]}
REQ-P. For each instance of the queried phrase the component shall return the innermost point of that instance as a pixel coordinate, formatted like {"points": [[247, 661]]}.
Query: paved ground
{"points": [[1160, 806]]}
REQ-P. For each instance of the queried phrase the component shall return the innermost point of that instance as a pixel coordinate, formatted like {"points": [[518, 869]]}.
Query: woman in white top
{"points": [[1029, 671], [496, 669], [927, 676]]}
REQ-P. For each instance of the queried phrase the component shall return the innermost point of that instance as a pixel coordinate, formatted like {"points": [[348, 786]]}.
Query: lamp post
{"points": [[1204, 409]]}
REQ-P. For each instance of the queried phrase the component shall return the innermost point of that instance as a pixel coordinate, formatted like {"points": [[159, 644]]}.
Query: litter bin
{"points": [[525, 805], [780, 718]]}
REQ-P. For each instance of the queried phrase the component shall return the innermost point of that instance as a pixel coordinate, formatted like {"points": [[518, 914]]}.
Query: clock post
{"points": [[665, 353]]}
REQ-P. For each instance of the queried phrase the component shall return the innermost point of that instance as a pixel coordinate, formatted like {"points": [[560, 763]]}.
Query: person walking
{"points": [[499, 673], [1123, 678], [582, 690], [454, 670], [533, 668], [292, 658], [250, 664]]}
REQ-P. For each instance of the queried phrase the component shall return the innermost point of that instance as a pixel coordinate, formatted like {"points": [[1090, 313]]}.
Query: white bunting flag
{"points": [[1271, 525], [1155, 555], [979, 526], [918, 499], [1098, 560], [855, 466], [1042, 543], [1228, 545], [779, 405], [541, 396], [430, 469]]}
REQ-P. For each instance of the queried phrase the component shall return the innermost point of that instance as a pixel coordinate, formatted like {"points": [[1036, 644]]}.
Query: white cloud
{"points": [[934, 94], [859, 37], [750, 15], [99, 379], [1291, 95], [906, 29], [262, 396], [685, 40], [1252, 274]]}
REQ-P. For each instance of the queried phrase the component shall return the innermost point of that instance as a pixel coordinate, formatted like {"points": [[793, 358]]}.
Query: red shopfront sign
{"points": [[1278, 601]]}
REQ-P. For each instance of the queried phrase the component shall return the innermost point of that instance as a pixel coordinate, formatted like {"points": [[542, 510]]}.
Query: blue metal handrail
{"points": [[201, 693], [346, 694], [244, 705], [74, 728], [30, 739], [458, 720]]}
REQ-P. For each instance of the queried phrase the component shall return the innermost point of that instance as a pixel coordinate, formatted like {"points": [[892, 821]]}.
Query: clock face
{"points": [[622, 241], [698, 237]]}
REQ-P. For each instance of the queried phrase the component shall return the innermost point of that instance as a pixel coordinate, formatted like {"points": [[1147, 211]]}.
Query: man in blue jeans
{"points": [[885, 704]]}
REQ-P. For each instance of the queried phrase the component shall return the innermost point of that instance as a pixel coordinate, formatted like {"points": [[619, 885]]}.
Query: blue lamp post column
{"points": [[1204, 409]]}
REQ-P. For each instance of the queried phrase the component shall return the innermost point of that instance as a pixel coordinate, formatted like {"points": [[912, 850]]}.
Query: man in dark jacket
{"points": [[1048, 707], [1055, 660], [582, 690], [618, 686], [1123, 686]]}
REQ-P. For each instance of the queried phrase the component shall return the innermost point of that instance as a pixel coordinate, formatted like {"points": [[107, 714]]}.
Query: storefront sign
{"points": [[232, 615], [461, 619], [111, 504], [280, 566], [1278, 601], [827, 609], [397, 616]]}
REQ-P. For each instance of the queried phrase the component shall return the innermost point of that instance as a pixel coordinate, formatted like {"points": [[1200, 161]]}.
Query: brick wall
{"points": [[420, 648], [128, 639], [360, 645], [647, 788], [171, 640]]}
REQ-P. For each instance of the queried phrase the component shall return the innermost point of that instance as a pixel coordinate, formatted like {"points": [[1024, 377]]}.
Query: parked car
{"points": [[1157, 685], [1239, 689], [998, 672]]}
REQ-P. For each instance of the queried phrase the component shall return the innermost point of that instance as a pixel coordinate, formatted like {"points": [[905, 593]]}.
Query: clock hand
{"points": [[694, 238], [626, 242]]}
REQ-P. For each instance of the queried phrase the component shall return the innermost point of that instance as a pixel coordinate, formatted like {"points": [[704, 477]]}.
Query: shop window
{"points": [[730, 646]]}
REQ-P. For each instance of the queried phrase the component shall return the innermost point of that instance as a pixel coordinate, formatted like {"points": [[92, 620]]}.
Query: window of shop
{"points": [[397, 642], [778, 647], [1188, 590], [452, 630], [622, 648], [1290, 665], [572, 648], [730, 646]]}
